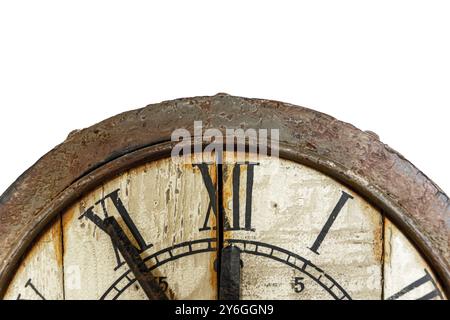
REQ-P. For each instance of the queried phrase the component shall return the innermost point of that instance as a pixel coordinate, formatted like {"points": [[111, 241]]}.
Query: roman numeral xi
{"points": [[123, 212]]}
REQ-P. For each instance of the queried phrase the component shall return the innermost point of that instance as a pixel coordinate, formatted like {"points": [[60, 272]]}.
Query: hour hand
{"points": [[230, 273], [133, 259]]}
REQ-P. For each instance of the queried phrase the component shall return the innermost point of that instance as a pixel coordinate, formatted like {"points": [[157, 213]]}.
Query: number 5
{"points": [[163, 283], [298, 285]]}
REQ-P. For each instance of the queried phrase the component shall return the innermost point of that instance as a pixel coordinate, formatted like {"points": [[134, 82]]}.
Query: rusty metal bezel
{"points": [[353, 157]]}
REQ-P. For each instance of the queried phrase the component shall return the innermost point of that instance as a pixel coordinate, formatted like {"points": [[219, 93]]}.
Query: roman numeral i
{"points": [[326, 228]]}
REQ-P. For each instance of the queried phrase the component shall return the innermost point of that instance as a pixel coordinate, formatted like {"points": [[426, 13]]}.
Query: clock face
{"points": [[265, 229]]}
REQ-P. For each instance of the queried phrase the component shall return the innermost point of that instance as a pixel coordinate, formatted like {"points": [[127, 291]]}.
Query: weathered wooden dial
{"points": [[265, 229]]}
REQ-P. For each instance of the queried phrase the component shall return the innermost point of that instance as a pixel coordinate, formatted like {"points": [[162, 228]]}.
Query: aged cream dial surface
{"points": [[265, 229]]}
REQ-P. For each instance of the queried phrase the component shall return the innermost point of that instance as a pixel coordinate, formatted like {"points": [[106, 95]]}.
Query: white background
{"points": [[380, 65]]}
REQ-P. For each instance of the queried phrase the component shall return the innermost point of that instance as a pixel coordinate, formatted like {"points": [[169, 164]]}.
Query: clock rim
{"points": [[337, 149]]}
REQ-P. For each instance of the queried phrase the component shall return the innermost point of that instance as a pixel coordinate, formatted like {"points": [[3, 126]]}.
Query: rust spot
{"points": [[67, 220], [227, 196], [213, 278], [378, 238], [50, 235], [213, 234], [376, 220], [56, 239]]}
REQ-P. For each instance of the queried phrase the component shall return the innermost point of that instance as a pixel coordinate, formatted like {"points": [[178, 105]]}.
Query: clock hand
{"points": [[230, 273], [131, 255]]}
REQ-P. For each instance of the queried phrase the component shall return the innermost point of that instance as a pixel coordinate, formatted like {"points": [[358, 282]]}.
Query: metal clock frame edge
{"points": [[355, 158]]}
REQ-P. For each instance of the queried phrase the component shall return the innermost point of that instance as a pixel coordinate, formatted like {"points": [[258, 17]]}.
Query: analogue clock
{"points": [[332, 214]]}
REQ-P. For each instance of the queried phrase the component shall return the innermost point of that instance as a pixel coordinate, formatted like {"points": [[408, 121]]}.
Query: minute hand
{"points": [[230, 273], [131, 255]]}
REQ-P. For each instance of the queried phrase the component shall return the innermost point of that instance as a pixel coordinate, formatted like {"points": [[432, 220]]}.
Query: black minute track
{"points": [[188, 248]]}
